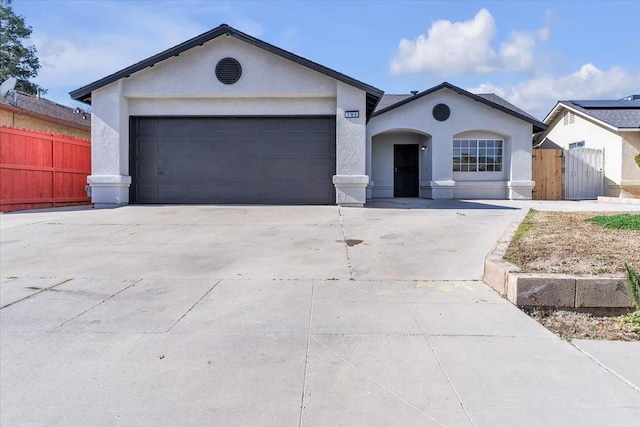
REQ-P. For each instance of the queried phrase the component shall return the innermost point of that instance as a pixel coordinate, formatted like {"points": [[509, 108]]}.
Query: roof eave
{"points": [[44, 117], [83, 94], [537, 125]]}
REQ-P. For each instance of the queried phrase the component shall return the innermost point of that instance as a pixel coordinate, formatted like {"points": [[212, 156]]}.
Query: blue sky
{"points": [[531, 53]]}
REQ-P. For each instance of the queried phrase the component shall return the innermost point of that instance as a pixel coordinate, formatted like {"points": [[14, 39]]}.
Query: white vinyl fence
{"points": [[583, 173]]}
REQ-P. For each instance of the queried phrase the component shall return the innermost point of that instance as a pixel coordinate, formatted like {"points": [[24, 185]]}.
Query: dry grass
{"points": [[572, 325], [563, 242]]}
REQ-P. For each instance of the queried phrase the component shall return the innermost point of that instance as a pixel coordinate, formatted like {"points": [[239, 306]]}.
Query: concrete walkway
{"points": [[210, 315]]}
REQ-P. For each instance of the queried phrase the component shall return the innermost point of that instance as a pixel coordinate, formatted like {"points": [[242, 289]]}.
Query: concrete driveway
{"points": [[228, 315]]}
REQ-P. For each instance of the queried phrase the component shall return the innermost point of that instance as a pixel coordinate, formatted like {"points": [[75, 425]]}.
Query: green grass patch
{"points": [[525, 226], [619, 221], [632, 320]]}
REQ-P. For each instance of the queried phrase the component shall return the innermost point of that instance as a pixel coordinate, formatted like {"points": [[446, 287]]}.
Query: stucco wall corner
{"points": [[351, 189], [520, 190]]}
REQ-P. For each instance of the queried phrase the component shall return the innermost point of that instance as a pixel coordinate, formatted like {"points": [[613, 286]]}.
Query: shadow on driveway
{"points": [[418, 203]]}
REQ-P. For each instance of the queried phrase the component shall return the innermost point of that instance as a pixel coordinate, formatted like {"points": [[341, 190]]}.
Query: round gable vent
{"points": [[441, 112], [228, 71]]}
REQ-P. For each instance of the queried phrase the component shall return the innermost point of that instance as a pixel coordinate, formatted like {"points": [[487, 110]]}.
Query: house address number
{"points": [[352, 114]]}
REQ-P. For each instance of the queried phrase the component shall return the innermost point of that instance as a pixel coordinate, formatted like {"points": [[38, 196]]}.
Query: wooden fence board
{"points": [[547, 174], [40, 170]]}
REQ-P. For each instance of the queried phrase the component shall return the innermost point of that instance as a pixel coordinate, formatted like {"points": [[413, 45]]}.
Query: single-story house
{"points": [[227, 118], [612, 126], [33, 112]]}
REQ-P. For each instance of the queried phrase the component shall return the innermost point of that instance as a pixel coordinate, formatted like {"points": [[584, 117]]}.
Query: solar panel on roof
{"points": [[606, 104]]}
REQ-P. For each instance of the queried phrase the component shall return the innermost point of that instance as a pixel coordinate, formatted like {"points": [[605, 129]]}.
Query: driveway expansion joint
{"points": [[101, 302], [346, 245], [37, 293]]}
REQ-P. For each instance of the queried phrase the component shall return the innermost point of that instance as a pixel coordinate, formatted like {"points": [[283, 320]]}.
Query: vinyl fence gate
{"points": [[583, 173]]}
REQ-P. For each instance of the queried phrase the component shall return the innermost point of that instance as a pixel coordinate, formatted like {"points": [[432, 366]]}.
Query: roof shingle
{"points": [[47, 108], [622, 118]]}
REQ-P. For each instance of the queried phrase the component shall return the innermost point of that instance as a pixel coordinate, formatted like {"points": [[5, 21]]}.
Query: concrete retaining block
{"points": [[602, 292], [550, 290], [537, 290], [496, 273]]}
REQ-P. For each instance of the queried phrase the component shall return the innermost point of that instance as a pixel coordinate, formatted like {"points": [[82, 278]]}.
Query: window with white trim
{"points": [[477, 155], [579, 144]]}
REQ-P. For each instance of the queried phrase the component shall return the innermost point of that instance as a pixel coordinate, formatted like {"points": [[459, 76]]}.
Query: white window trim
{"points": [[577, 144], [477, 155]]}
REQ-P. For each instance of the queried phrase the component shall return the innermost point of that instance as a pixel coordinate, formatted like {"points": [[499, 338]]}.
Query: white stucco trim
{"points": [[351, 189], [520, 189], [109, 191]]}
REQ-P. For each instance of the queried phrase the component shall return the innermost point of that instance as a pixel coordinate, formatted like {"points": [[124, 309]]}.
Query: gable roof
{"points": [[618, 115], [492, 100], [388, 100], [84, 93], [45, 109]]}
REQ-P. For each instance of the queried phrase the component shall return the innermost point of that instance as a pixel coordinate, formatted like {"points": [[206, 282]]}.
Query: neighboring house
{"points": [[227, 118], [36, 113], [612, 126]]}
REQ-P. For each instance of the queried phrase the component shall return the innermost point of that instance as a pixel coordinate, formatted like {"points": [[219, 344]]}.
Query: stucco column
{"points": [[351, 179], [442, 182], [368, 168], [109, 180], [520, 185]]}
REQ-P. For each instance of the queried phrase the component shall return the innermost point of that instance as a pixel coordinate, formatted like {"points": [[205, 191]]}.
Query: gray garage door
{"points": [[270, 160]]}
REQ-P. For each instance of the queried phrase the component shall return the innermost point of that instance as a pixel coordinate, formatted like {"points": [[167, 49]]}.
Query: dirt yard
{"points": [[564, 242]]}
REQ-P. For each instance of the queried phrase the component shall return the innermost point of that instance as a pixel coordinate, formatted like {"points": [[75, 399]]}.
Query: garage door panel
{"points": [[196, 146], [319, 169], [233, 160], [318, 146], [147, 127], [277, 127], [196, 193], [147, 193], [170, 171], [147, 170], [170, 146], [299, 126], [146, 146], [171, 193], [197, 171], [323, 127]]}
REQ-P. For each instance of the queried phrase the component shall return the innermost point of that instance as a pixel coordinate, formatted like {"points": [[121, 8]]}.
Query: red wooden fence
{"points": [[42, 170]]}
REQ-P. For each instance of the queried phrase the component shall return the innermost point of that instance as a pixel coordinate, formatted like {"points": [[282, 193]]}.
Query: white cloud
{"points": [[538, 95], [517, 53], [460, 48]]}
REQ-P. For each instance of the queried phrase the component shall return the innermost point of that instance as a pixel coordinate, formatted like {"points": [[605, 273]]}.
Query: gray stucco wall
{"points": [[186, 85], [468, 118]]}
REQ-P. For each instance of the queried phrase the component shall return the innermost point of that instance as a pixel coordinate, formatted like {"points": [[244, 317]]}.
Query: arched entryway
{"points": [[400, 163]]}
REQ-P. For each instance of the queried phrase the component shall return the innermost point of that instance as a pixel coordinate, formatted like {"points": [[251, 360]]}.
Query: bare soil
{"points": [[571, 324], [563, 242]]}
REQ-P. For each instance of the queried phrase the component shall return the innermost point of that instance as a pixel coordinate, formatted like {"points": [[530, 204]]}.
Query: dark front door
{"points": [[405, 166]]}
